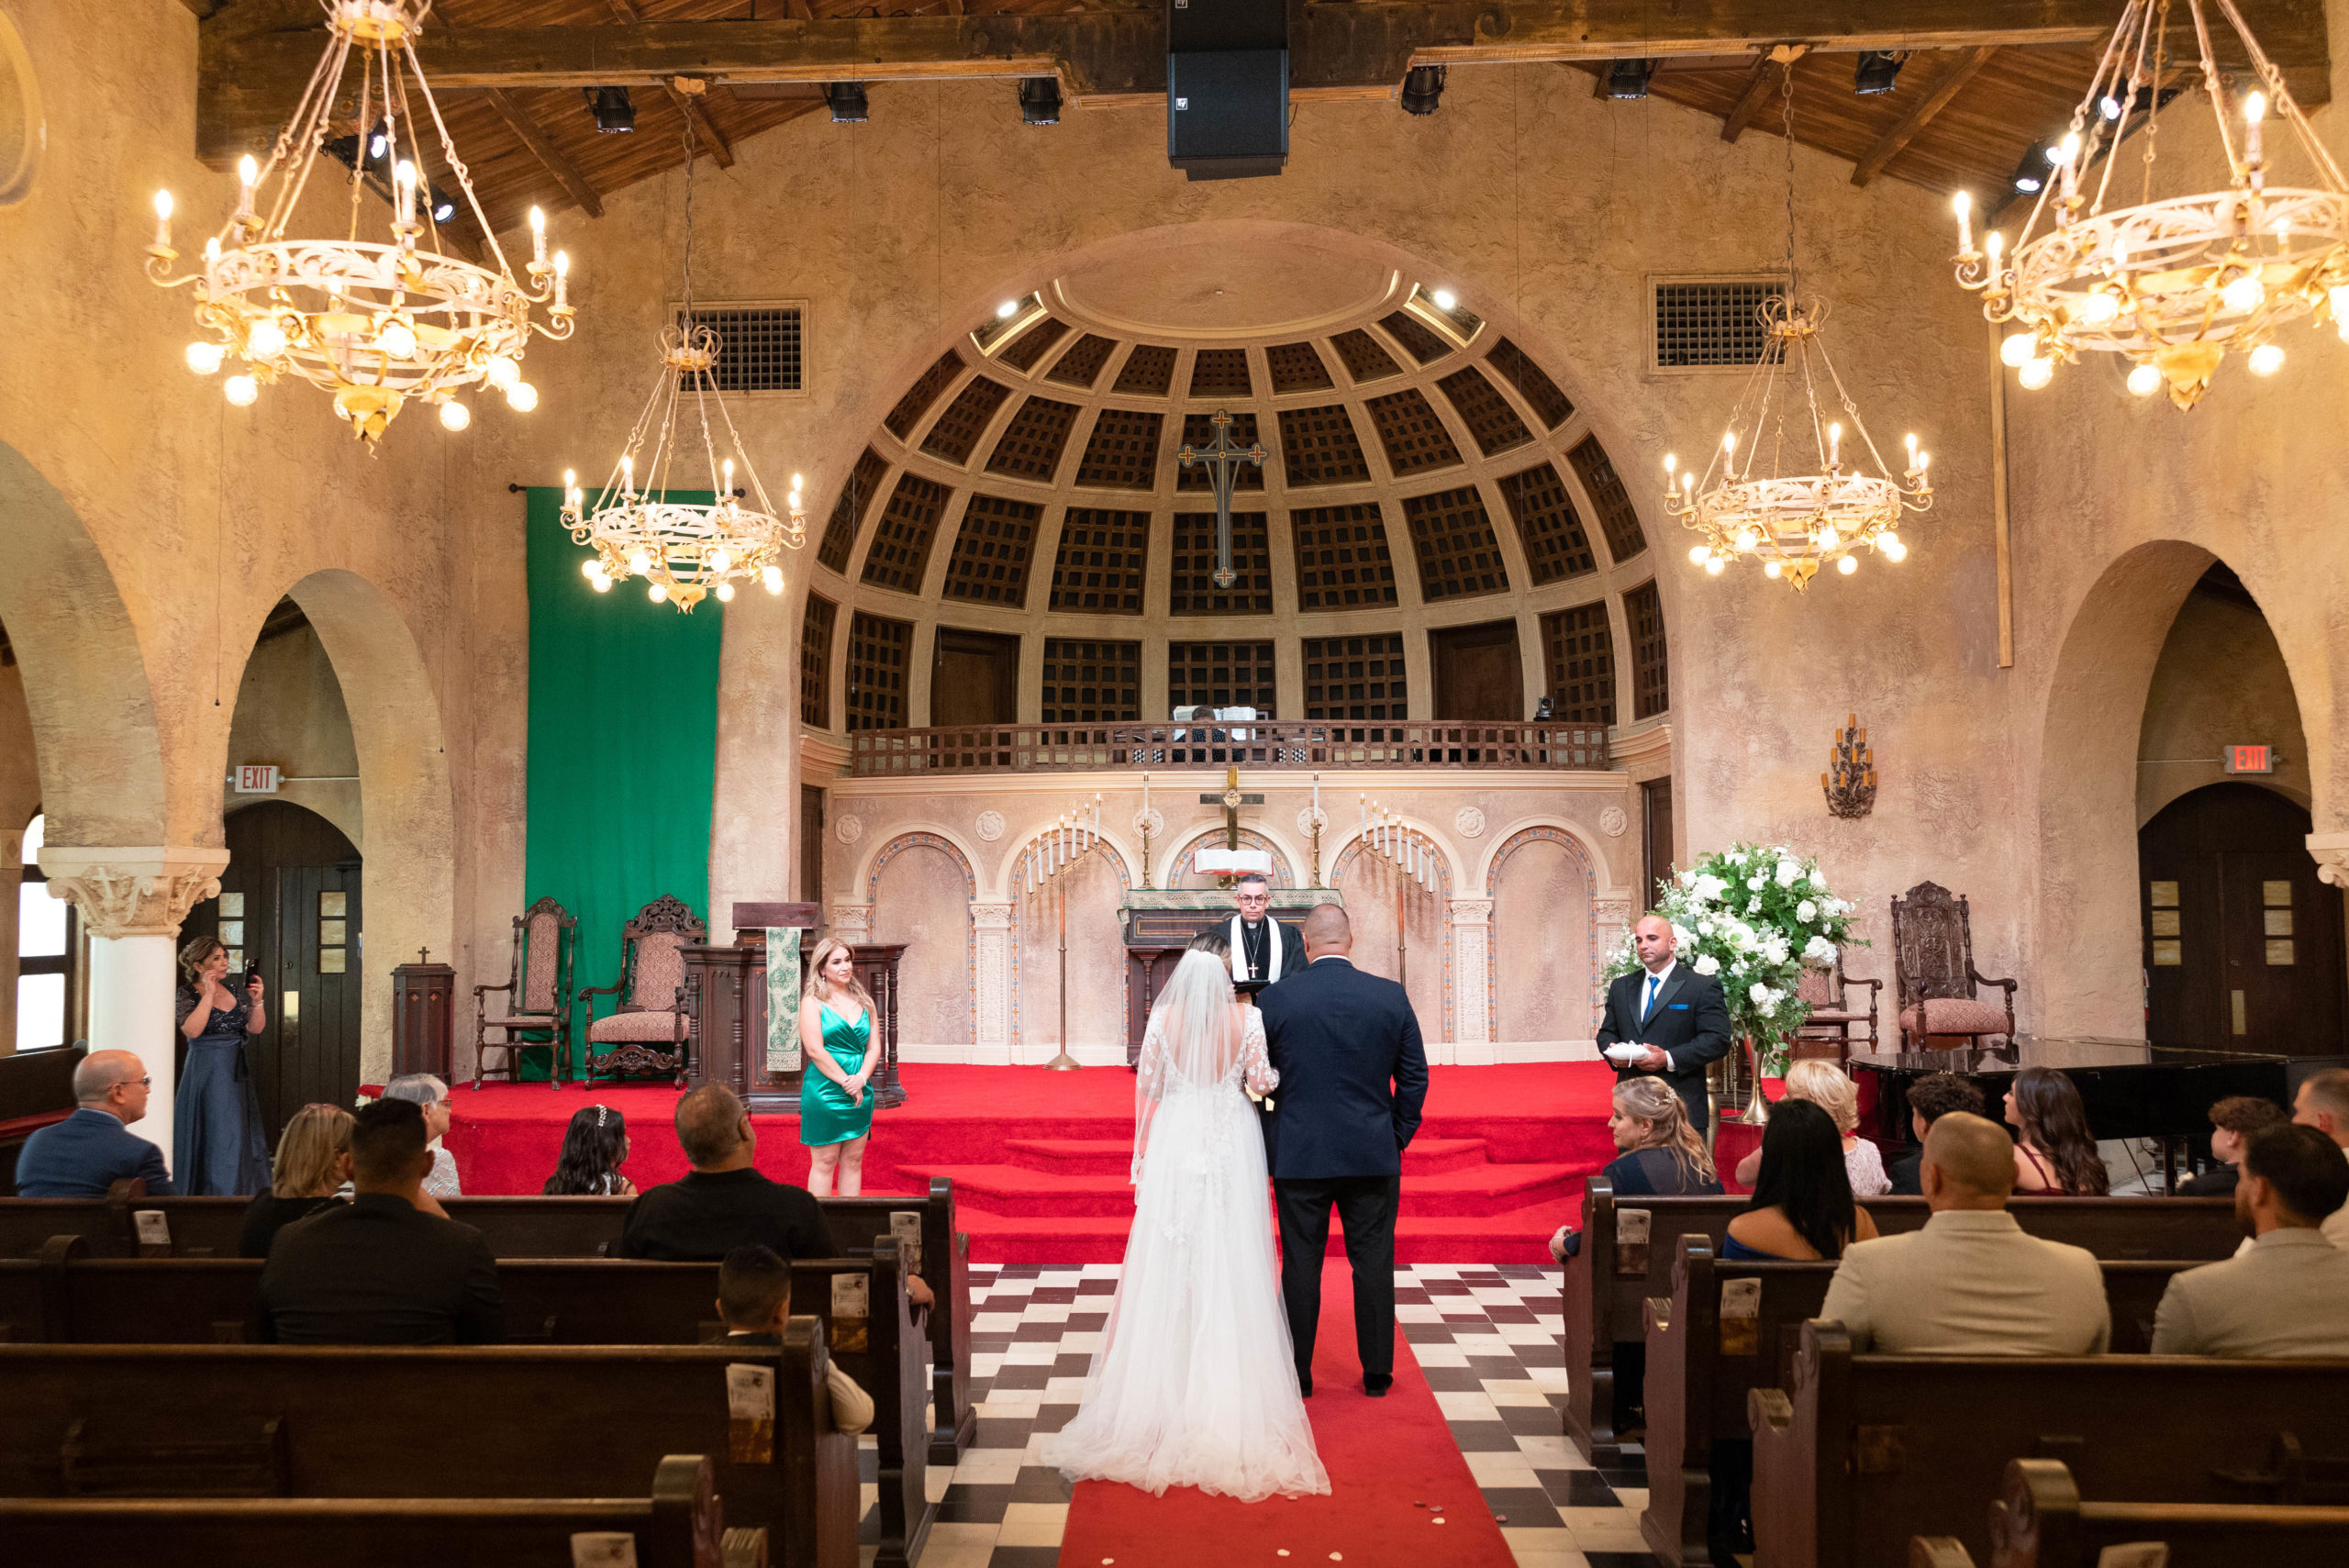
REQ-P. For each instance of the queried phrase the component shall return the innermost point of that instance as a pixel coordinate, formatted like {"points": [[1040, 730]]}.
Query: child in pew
{"points": [[754, 1298], [594, 1147], [313, 1165]]}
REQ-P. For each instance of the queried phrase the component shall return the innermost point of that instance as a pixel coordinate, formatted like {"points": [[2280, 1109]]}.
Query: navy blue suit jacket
{"points": [[1691, 1023], [86, 1154], [1354, 1074]]}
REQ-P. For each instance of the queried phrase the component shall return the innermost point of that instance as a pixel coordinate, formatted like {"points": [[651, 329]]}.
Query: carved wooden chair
{"points": [[1934, 979], [538, 995], [1829, 1033], [646, 1032]]}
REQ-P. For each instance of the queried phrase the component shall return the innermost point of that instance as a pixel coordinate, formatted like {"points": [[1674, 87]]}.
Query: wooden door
{"points": [[1657, 851], [2242, 943], [290, 900], [975, 678], [811, 844], [1477, 672]]}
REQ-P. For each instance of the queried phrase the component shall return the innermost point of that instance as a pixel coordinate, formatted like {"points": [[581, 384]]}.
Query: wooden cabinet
{"points": [[726, 1007]]}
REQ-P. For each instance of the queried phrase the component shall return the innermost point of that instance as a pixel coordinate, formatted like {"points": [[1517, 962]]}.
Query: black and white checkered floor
{"points": [[1486, 1338]]}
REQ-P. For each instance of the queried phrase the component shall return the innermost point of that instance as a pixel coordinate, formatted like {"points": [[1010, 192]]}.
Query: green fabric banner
{"points": [[623, 760]]}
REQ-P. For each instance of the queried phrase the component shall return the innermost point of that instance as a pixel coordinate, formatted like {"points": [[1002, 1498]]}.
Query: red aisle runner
{"points": [[1385, 1458]]}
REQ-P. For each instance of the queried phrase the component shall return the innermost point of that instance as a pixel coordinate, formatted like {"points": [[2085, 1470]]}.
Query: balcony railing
{"points": [[1258, 744]]}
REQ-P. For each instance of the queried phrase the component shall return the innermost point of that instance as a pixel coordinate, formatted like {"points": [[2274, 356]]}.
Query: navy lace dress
{"points": [[219, 1148]]}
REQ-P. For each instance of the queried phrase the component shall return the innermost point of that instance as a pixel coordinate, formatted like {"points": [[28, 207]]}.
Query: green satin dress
{"points": [[825, 1113]]}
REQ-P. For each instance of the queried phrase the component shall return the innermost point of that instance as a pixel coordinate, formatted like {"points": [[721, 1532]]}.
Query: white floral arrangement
{"points": [[1752, 916]]}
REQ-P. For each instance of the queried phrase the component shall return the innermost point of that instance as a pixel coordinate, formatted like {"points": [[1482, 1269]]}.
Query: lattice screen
{"points": [[1102, 558], [1651, 664], [878, 649], [1193, 591], [758, 347], [1486, 412], [1319, 447], [1355, 677], [1414, 438], [1089, 682], [1579, 650], [1365, 358], [1296, 367], [992, 552], [922, 393], [1549, 405], [958, 429], [1198, 432], [816, 661], [900, 550], [1412, 333], [1122, 453], [1459, 556], [1618, 518], [848, 512], [1148, 372], [1341, 557], [1030, 445], [1220, 372], [1032, 344], [1713, 322], [1219, 674], [1547, 524], [1081, 366]]}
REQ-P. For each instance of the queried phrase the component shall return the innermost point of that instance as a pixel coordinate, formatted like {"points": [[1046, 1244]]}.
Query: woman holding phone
{"points": [[218, 1146]]}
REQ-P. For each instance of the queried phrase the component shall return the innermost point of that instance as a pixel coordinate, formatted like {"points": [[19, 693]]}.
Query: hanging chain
{"points": [[688, 308], [1786, 97], [2153, 114]]}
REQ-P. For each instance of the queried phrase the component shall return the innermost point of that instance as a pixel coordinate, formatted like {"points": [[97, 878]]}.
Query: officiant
{"points": [[1263, 949]]}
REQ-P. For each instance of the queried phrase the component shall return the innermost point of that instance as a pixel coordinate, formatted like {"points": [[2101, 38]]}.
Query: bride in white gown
{"points": [[1195, 1384]]}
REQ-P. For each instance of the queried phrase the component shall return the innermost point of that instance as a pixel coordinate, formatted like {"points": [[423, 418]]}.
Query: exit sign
{"points": [[2250, 760], [257, 778]]}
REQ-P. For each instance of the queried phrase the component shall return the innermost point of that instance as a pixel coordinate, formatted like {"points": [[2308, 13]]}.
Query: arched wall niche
{"points": [[921, 887], [1541, 879], [1094, 888]]}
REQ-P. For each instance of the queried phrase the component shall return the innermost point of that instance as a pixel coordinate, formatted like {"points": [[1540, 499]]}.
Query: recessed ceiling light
{"points": [[1007, 310], [1445, 299]]}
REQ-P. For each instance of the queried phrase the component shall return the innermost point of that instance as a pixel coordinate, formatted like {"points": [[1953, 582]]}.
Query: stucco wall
{"points": [[290, 712], [2220, 680]]}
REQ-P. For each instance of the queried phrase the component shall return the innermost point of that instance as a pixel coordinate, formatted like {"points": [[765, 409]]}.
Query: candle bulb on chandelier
{"points": [[248, 176], [538, 239], [561, 279], [404, 184], [2254, 109], [1964, 203], [1834, 447], [163, 220]]}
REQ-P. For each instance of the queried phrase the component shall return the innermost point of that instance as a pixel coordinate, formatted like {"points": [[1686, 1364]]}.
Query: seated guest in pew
{"points": [[1930, 1097], [433, 1095], [2288, 1295], [1664, 1155], [2232, 1120], [594, 1145], [1824, 1084], [94, 1148], [754, 1298], [312, 1162], [1972, 1282], [2055, 1153], [388, 1268], [1802, 1209], [723, 1202], [2323, 1104]]}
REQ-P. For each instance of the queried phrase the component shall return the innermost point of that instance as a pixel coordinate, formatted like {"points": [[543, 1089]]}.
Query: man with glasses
{"points": [[94, 1148], [1263, 950]]}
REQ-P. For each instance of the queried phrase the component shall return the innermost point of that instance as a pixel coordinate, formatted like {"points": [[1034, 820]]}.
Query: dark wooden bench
{"points": [[550, 1301], [444, 1422], [1607, 1285], [35, 1090], [1700, 1367], [1861, 1452], [2041, 1522], [553, 1227], [680, 1525]]}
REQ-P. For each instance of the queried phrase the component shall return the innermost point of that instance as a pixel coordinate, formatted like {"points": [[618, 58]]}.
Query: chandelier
{"points": [[2170, 285], [1746, 505], [375, 325], [684, 550]]}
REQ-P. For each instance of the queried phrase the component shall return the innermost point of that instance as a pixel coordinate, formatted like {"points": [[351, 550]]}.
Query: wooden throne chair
{"points": [[1837, 1028], [537, 993], [1935, 983], [646, 1033]]}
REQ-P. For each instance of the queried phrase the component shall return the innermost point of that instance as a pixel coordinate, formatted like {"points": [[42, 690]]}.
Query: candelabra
{"points": [[1411, 851], [1850, 784], [1050, 858]]}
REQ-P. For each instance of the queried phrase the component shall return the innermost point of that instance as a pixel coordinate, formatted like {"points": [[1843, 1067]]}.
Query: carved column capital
{"points": [[991, 917], [1471, 911], [852, 922], [143, 891], [2331, 852]]}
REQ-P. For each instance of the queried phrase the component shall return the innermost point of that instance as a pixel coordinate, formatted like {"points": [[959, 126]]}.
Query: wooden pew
{"points": [[443, 1422], [1609, 1284], [554, 1228], [680, 1525], [1700, 1369], [2041, 1522], [1863, 1452]]}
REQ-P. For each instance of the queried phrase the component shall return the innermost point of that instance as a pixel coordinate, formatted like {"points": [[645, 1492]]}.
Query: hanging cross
{"points": [[1223, 461]]}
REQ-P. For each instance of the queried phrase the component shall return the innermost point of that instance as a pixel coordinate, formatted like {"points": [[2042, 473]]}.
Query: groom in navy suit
{"points": [[1353, 1076]]}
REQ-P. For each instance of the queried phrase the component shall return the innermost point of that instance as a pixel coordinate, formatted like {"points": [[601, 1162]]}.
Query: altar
{"points": [[1158, 923]]}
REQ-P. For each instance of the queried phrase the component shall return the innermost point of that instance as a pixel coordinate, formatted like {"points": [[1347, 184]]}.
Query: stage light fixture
{"points": [[1040, 100], [1876, 70], [612, 108], [1629, 78], [847, 101], [1422, 89]]}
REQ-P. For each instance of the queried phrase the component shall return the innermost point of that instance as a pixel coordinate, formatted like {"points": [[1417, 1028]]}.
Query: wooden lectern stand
{"points": [[726, 1001]]}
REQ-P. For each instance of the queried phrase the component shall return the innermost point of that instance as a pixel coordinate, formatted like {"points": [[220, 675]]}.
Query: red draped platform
{"points": [[1038, 1158]]}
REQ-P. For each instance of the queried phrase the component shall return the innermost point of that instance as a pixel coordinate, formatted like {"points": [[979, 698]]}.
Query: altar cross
{"points": [[1222, 460], [1232, 800]]}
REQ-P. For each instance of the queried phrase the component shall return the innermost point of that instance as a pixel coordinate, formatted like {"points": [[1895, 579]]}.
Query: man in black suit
{"points": [[1353, 1076], [1676, 1014], [388, 1268], [1266, 949]]}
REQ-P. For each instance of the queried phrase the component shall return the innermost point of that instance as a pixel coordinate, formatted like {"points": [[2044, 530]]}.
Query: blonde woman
{"points": [[835, 1102], [1825, 1085], [1664, 1155], [312, 1162]]}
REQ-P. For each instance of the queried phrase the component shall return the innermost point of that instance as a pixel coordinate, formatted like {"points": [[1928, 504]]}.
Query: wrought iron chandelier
{"points": [[2171, 285], [684, 550], [377, 326], [1745, 506]]}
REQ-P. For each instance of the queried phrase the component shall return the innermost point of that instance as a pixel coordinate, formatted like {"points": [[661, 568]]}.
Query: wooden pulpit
{"points": [[726, 1004]]}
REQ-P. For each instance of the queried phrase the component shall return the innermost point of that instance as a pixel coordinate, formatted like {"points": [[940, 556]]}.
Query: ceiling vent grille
{"points": [[759, 347], [1711, 323]]}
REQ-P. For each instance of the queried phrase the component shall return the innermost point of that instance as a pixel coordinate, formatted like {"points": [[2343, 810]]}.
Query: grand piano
{"points": [[2130, 1089]]}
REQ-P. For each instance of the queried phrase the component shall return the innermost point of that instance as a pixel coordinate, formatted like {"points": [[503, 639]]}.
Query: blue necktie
{"points": [[1649, 1006]]}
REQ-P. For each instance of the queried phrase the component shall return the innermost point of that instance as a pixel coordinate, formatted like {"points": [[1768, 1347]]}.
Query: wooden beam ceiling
{"points": [[1955, 74], [526, 130]]}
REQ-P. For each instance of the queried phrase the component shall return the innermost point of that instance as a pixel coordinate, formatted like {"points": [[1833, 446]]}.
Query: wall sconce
{"points": [[1850, 784]]}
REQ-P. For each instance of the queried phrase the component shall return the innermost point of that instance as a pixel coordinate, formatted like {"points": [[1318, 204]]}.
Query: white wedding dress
{"points": [[1195, 1383]]}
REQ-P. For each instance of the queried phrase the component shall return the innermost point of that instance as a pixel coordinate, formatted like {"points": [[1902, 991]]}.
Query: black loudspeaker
{"points": [[1227, 88]]}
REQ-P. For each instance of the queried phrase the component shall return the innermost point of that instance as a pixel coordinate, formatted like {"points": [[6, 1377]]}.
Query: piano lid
{"points": [[2064, 1052]]}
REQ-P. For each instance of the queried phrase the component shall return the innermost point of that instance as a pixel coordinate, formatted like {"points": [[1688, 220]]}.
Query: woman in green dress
{"points": [[835, 1105]]}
